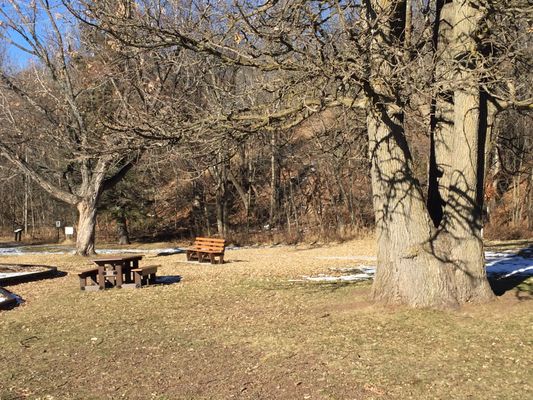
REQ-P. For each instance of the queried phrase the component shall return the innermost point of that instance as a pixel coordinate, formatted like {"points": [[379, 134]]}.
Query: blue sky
{"points": [[16, 57]]}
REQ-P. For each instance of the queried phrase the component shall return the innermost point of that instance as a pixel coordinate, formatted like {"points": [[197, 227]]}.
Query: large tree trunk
{"points": [[409, 267], [418, 264], [463, 209], [441, 124], [85, 235], [85, 197]]}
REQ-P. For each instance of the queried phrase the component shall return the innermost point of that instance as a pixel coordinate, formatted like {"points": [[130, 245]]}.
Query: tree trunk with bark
{"points": [[95, 178], [85, 233], [425, 261]]}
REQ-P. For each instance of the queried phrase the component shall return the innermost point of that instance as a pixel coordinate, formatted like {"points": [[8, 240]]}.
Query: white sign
{"points": [[69, 230], [58, 224]]}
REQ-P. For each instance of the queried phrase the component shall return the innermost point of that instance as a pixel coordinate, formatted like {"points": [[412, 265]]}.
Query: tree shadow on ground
{"points": [[170, 252], [167, 279]]}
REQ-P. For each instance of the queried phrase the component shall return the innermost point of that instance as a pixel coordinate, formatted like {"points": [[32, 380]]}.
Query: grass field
{"points": [[243, 331]]}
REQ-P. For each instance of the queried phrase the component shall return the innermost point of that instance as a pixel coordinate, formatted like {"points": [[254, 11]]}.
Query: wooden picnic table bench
{"points": [[144, 275], [91, 274], [116, 269], [207, 248]]}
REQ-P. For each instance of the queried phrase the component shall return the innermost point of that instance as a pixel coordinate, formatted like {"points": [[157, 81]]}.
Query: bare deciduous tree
{"points": [[54, 106], [445, 62]]}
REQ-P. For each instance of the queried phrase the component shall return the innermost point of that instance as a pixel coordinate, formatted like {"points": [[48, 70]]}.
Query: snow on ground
{"points": [[27, 250], [507, 264], [12, 274], [349, 274], [500, 266], [365, 258]]}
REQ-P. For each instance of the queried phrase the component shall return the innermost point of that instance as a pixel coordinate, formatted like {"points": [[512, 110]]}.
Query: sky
{"points": [[16, 57]]}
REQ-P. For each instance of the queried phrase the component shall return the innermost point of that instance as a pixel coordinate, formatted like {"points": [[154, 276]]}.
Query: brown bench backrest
{"points": [[209, 244]]}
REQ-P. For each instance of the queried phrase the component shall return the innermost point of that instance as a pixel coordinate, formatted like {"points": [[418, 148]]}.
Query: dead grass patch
{"points": [[240, 330]]}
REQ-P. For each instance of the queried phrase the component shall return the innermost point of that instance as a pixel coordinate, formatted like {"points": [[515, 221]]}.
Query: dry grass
{"points": [[241, 330]]}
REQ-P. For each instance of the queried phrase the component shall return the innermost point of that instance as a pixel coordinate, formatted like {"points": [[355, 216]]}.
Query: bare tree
{"points": [[444, 63], [54, 105]]}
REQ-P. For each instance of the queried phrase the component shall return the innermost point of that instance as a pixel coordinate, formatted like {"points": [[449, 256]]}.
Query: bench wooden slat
{"points": [[212, 240], [210, 247]]}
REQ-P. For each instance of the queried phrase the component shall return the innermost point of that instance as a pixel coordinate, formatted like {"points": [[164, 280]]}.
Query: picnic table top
{"points": [[117, 258]]}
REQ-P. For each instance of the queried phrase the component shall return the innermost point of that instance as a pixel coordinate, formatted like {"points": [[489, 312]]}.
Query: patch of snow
{"points": [[361, 268], [26, 250], [122, 251], [499, 265], [361, 273], [507, 264], [367, 258], [329, 278], [519, 271]]}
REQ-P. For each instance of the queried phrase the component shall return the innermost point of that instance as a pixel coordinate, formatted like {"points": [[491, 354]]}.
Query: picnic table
{"points": [[116, 270]]}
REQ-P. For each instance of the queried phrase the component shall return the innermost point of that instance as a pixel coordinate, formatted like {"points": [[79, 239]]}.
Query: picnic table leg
{"points": [[127, 272], [101, 277], [118, 276], [138, 279]]}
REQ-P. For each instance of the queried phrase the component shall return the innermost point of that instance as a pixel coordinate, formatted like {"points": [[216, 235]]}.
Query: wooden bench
{"points": [[144, 275], [91, 274], [207, 248]]}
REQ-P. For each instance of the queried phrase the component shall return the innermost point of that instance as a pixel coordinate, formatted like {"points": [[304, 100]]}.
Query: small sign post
{"points": [[69, 232], [18, 234], [58, 227]]}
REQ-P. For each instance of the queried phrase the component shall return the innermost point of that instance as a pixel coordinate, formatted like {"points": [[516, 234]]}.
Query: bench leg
{"points": [[138, 279], [118, 279], [84, 283], [101, 278], [127, 273]]}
